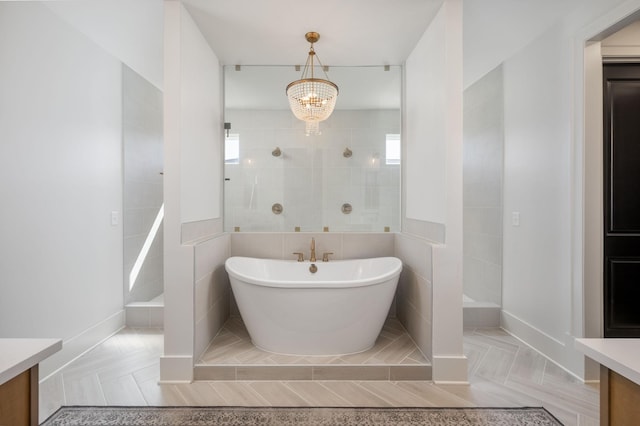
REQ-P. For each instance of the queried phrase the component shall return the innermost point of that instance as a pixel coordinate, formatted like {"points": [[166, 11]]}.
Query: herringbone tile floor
{"points": [[502, 373], [233, 345]]}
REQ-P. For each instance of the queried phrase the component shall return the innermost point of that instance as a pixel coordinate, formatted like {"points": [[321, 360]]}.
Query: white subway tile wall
{"points": [[312, 178]]}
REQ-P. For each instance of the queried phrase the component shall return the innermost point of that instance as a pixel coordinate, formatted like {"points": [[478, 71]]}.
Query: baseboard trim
{"points": [[176, 369], [563, 354], [480, 316], [450, 370], [76, 346]]}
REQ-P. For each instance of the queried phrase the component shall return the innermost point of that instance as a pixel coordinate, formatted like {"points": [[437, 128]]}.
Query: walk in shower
{"points": [[143, 200]]}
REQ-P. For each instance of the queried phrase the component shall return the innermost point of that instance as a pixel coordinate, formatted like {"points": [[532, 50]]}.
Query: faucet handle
{"points": [[300, 256], [325, 256]]}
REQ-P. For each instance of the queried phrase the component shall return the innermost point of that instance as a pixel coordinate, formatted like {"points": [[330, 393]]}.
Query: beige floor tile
{"points": [[161, 395], [233, 346], [357, 395], [150, 372], [394, 394], [126, 365], [316, 394], [200, 393], [528, 365], [239, 393], [85, 390], [416, 357], [496, 364], [122, 391], [277, 394], [503, 373], [396, 352], [51, 396], [436, 396]]}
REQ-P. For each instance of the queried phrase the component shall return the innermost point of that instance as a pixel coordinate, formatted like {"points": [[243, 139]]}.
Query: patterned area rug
{"points": [[199, 416]]}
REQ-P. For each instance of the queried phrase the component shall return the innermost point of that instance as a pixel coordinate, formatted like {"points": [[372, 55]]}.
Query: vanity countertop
{"points": [[18, 355], [619, 355]]}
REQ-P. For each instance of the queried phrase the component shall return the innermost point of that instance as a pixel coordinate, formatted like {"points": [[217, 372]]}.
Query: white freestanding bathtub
{"points": [[339, 309]]}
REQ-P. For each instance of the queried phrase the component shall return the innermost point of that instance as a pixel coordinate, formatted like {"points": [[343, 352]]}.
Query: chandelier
{"points": [[312, 99]]}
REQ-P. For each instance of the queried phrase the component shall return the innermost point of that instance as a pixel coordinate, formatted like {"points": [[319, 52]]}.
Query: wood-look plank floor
{"points": [[232, 346], [124, 370]]}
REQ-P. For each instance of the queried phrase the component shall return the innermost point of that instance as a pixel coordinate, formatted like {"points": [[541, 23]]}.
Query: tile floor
{"points": [[232, 356], [502, 373]]}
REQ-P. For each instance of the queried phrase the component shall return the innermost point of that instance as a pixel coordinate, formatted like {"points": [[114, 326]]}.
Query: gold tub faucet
{"points": [[313, 250]]}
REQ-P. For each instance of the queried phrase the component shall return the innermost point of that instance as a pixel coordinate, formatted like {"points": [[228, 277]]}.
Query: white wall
{"points": [[537, 267], [129, 30], [482, 200], [192, 181], [60, 179], [433, 177], [201, 115], [497, 29], [425, 130], [543, 284]]}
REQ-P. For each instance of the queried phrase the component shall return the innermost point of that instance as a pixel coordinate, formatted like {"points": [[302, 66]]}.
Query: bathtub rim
{"points": [[333, 284]]}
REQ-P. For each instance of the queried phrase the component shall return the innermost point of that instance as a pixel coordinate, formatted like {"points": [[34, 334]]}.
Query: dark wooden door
{"points": [[621, 200]]}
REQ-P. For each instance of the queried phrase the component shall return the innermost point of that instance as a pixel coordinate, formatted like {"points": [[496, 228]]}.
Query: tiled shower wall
{"points": [[143, 166], [414, 296], [312, 178], [212, 291], [483, 140]]}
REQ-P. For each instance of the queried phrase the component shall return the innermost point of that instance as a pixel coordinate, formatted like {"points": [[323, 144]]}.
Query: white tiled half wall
{"points": [[212, 290], [414, 296]]}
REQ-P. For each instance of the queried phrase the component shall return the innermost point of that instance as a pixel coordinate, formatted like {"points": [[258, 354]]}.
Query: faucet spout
{"points": [[312, 258]]}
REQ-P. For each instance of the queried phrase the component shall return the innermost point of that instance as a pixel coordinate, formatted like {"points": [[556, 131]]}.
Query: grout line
{"points": [[348, 403], [286, 385], [104, 398], [480, 361], [544, 372], [64, 390], [515, 357]]}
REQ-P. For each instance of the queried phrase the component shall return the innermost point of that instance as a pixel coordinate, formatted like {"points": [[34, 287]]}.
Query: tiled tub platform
{"points": [[232, 356]]}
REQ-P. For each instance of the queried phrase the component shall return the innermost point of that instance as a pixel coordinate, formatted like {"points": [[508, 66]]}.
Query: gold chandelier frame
{"points": [[312, 99]]}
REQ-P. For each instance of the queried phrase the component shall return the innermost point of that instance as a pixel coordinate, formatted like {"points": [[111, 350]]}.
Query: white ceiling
{"points": [[352, 32], [365, 32]]}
